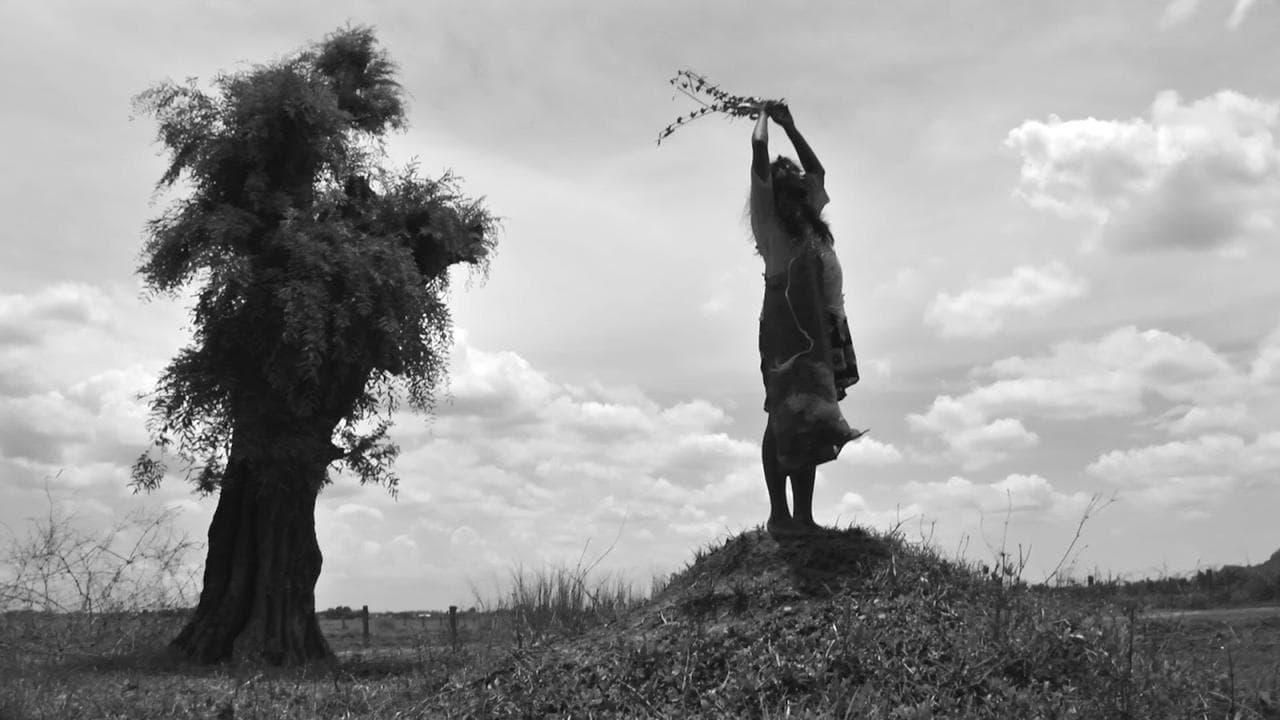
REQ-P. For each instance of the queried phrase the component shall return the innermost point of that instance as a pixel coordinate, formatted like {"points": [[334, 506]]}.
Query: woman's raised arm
{"points": [[760, 147], [781, 114]]}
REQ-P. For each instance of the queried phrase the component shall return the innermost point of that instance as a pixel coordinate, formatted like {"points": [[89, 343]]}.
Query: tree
{"points": [[321, 306]]}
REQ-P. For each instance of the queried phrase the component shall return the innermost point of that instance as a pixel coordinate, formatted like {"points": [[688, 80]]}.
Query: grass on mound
{"points": [[848, 624]]}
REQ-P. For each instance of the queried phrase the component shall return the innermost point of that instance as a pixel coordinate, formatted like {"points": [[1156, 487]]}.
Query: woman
{"points": [[806, 354]]}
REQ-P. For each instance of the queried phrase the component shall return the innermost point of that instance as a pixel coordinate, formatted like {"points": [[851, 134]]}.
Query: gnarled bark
{"points": [[263, 561]]}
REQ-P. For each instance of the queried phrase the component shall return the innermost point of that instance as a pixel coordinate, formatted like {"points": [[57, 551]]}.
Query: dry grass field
{"points": [[844, 624]]}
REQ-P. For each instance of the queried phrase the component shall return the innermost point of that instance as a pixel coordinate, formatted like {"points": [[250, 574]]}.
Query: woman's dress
{"points": [[806, 352]]}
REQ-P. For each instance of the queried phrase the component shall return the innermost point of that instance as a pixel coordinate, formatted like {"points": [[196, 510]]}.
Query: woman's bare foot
{"points": [[806, 526], [782, 526]]}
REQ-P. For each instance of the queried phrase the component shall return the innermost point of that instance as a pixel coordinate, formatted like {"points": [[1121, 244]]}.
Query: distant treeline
{"points": [[1227, 586], [342, 612]]}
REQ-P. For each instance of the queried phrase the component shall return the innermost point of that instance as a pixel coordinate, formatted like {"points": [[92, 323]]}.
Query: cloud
{"points": [[853, 508], [1113, 376], [987, 444], [1190, 496], [720, 295], [982, 310], [1265, 369], [26, 319], [465, 536], [1238, 12], [1020, 494], [100, 419], [1015, 493], [36, 428], [1109, 376], [501, 387], [530, 461], [1203, 176], [973, 439], [356, 512], [1190, 474], [16, 379], [1177, 11], [1196, 418], [868, 451], [1214, 454], [114, 391]]}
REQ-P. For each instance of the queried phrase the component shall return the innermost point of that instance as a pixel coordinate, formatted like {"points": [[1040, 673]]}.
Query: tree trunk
{"points": [[258, 600]]}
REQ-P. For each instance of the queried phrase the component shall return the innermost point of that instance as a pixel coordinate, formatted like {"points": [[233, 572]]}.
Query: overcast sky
{"points": [[1057, 223]]}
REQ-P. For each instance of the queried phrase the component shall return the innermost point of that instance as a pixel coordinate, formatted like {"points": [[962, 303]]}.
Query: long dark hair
{"points": [[796, 212]]}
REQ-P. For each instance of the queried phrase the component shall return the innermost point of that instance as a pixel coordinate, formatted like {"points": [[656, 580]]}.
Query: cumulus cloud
{"points": [[1265, 369], [1188, 420], [37, 428], [982, 310], [1026, 495], [16, 379], [501, 387], [974, 439], [1015, 493], [1191, 497], [1177, 11], [1113, 376], [114, 391], [540, 462], [26, 319], [356, 511], [100, 419], [1238, 12], [1213, 454], [990, 443], [1198, 176], [594, 432], [871, 452], [1108, 376], [1191, 474], [723, 294], [853, 508]]}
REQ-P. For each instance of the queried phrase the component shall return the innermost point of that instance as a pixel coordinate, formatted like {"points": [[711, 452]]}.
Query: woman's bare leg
{"points": [[802, 495], [776, 481]]}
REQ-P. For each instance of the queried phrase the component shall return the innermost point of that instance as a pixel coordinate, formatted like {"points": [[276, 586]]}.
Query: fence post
{"points": [[364, 623], [453, 625]]}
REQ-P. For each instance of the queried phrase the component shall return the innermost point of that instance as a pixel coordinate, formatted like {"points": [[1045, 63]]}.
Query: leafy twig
{"points": [[693, 85]]}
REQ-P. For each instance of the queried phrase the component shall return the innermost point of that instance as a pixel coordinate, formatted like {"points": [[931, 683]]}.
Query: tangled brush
{"points": [[712, 100]]}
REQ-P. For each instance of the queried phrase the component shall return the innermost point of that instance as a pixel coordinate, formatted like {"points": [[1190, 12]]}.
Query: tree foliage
{"points": [[321, 274]]}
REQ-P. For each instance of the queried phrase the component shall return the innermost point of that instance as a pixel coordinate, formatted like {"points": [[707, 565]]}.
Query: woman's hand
{"points": [[780, 113]]}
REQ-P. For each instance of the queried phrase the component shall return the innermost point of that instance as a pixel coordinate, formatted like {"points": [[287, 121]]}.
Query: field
{"points": [[1244, 640], [845, 624]]}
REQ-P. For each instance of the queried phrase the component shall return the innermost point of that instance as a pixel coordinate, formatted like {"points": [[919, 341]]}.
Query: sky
{"points": [[1057, 223]]}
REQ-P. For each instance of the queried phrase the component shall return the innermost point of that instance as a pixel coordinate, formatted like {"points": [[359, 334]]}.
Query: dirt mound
{"points": [[1271, 566], [836, 624], [763, 567], [756, 578]]}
